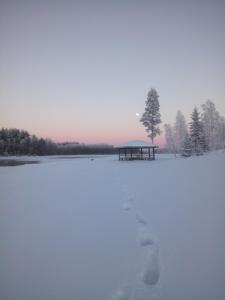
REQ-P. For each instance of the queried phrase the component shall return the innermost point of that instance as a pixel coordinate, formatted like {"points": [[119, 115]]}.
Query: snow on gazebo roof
{"points": [[135, 144]]}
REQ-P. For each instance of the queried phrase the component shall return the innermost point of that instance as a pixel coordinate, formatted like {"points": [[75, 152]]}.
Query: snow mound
{"points": [[123, 293], [150, 275]]}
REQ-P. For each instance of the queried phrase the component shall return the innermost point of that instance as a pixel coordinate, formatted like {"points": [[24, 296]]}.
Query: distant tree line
{"points": [[206, 131], [19, 142]]}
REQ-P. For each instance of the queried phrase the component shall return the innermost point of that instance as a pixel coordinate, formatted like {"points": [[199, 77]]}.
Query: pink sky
{"points": [[81, 70], [101, 136]]}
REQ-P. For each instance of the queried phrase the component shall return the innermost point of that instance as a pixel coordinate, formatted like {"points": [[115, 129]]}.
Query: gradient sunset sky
{"points": [[81, 70]]}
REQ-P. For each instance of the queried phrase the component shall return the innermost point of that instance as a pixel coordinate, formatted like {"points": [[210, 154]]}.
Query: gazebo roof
{"points": [[135, 144]]}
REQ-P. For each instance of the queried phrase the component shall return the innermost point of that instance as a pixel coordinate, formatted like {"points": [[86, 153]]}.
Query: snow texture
{"points": [[65, 234], [123, 293], [134, 144]]}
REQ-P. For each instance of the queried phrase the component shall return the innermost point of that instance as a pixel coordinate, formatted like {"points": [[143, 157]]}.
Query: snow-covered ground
{"points": [[103, 229]]}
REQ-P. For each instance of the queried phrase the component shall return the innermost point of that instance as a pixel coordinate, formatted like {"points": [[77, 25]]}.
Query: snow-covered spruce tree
{"points": [[203, 139], [180, 130], [221, 132], [151, 116], [197, 134], [186, 150], [170, 138], [210, 120]]}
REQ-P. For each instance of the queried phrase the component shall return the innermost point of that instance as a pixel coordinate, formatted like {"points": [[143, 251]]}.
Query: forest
{"points": [[20, 142]]}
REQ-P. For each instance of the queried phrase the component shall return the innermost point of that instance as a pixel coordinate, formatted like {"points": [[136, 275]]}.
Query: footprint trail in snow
{"points": [[150, 273]]}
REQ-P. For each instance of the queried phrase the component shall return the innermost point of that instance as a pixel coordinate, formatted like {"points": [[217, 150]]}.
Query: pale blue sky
{"points": [[80, 70]]}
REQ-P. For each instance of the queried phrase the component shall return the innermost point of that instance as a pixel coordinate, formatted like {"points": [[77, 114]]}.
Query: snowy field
{"points": [[82, 229]]}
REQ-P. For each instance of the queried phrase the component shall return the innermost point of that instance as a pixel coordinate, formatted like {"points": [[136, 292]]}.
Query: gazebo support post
{"points": [[153, 149]]}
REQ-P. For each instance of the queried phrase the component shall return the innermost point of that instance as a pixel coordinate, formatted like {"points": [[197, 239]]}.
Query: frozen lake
{"points": [[103, 229]]}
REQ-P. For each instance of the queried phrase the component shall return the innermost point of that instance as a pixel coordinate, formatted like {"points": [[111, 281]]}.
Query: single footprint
{"points": [[145, 238], [127, 206], [150, 274], [140, 218]]}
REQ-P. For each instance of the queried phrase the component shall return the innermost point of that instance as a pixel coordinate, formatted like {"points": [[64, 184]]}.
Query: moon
{"points": [[137, 114]]}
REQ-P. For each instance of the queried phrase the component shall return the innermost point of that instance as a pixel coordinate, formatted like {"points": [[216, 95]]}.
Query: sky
{"points": [[81, 70]]}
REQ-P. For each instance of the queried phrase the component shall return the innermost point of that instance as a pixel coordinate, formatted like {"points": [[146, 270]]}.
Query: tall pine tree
{"points": [[197, 134], [180, 130], [151, 116], [170, 138], [210, 121]]}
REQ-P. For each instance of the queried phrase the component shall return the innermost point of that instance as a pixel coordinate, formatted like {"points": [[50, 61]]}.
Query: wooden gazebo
{"points": [[136, 150]]}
